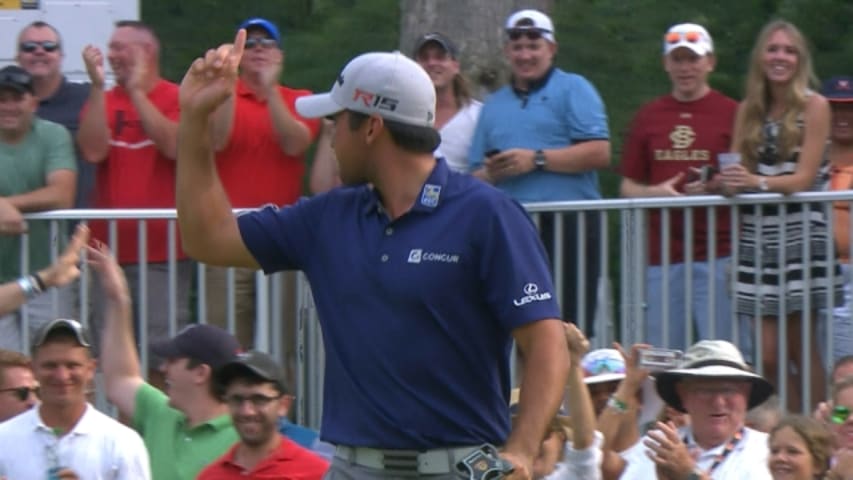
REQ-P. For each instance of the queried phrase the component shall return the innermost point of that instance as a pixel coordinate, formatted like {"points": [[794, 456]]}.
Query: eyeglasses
{"points": [[257, 400], [23, 393], [600, 365], [530, 33], [260, 42], [47, 46], [839, 414], [691, 37]]}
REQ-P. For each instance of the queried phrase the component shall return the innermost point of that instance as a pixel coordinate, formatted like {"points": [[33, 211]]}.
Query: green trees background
{"points": [[615, 43]]}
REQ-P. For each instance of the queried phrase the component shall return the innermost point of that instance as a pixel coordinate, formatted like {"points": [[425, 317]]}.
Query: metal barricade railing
{"points": [[619, 311]]}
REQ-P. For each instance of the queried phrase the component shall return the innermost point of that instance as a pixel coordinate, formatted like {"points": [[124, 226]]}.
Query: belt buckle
{"points": [[484, 464], [400, 462]]}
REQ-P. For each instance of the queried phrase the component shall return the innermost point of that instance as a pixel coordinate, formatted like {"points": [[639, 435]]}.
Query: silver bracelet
{"points": [[29, 287]]}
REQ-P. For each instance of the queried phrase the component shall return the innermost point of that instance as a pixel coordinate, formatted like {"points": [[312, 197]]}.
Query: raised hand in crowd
{"points": [[270, 73], [62, 272], [66, 269], [94, 60], [138, 78]]}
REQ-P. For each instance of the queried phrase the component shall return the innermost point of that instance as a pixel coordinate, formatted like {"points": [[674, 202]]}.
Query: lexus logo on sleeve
{"points": [[531, 294]]}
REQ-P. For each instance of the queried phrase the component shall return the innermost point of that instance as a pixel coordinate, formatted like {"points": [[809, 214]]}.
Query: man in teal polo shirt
{"points": [[190, 427]]}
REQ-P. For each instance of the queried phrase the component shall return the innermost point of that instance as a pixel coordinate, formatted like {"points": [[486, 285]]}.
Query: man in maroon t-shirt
{"points": [[670, 141]]}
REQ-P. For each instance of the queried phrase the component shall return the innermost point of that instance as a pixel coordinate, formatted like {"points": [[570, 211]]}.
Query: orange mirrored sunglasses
{"points": [[675, 37]]}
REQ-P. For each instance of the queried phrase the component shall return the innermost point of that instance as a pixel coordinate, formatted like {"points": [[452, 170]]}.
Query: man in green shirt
{"points": [[190, 427], [37, 172]]}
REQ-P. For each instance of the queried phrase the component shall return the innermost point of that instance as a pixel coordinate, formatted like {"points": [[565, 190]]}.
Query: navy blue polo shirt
{"points": [[417, 312]]}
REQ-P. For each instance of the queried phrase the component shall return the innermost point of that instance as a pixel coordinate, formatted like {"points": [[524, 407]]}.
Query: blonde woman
{"points": [[781, 131]]}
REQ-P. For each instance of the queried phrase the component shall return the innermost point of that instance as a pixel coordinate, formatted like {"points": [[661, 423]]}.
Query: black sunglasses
{"points": [[260, 42], [23, 393], [47, 46], [530, 33]]}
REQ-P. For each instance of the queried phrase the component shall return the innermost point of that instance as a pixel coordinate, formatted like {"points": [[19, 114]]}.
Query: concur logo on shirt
{"points": [[417, 255], [531, 294]]}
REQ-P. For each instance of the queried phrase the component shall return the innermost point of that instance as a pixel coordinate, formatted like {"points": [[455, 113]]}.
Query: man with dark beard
{"points": [[256, 395]]}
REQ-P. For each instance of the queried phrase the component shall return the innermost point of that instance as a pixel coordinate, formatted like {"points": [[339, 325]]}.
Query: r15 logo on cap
{"points": [[376, 101]]}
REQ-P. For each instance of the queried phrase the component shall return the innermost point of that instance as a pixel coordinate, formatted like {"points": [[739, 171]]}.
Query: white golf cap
{"points": [[689, 35], [532, 20], [388, 84]]}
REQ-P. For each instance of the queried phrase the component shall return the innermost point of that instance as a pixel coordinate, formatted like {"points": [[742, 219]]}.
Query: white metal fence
{"points": [[290, 331]]}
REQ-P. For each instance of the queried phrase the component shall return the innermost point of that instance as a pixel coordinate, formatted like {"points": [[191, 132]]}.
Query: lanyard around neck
{"points": [[727, 449]]}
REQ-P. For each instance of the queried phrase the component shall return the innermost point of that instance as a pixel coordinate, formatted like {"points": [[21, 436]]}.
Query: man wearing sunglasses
{"points": [[17, 386], [260, 145], [669, 141], [541, 139], [40, 53], [255, 391], [65, 435], [37, 173]]}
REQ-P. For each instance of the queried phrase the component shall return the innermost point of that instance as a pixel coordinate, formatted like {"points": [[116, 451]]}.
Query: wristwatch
{"points": [[762, 184], [539, 160]]}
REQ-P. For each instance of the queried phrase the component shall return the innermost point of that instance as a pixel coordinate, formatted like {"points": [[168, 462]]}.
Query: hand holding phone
{"points": [[657, 359]]}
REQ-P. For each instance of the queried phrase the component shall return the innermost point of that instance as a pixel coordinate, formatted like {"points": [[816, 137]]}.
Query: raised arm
{"points": [[93, 136], [542, 344], [161, 129], [209, 230], [580, 403], [60, 273], [119, 357], [293, 136]]}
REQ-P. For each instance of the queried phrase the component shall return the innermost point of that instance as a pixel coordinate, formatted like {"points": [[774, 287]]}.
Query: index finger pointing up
{"points": [[239, 45]]}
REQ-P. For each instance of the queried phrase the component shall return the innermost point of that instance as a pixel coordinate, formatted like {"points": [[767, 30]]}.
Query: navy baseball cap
{"points": [[205, 343], [838, 89], [16, 78], [435, 37], [263, 24]]}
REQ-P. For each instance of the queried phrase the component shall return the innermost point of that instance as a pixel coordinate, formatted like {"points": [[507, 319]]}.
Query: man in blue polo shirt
{"points": [[541, 139], [422, 279]]}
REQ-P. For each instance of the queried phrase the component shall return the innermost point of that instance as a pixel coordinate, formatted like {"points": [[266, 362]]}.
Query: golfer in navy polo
{"points": [[422, 277]]}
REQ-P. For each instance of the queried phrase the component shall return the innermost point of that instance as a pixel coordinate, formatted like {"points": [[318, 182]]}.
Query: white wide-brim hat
{"points": [[711, 359]]}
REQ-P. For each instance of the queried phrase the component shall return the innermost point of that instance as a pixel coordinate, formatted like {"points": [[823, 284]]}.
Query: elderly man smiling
{"points": [[716, 387]]}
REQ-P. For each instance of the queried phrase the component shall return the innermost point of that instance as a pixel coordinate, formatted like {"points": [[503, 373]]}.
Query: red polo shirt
{"points": [[253, 168], [135, 174], [289, 461]]}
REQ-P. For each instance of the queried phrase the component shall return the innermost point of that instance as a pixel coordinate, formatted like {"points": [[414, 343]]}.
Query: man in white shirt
{"points": [[65, 436], [716, 387]]}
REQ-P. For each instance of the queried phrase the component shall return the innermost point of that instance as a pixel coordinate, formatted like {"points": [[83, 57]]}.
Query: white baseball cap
{"points": [[388, 84], [532, 20], [689, 35]]}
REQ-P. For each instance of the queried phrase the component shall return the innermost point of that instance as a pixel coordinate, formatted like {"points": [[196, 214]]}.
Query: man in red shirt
{"points": [[254, 389], [670, 140], [260, 140], [130, 132]]}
